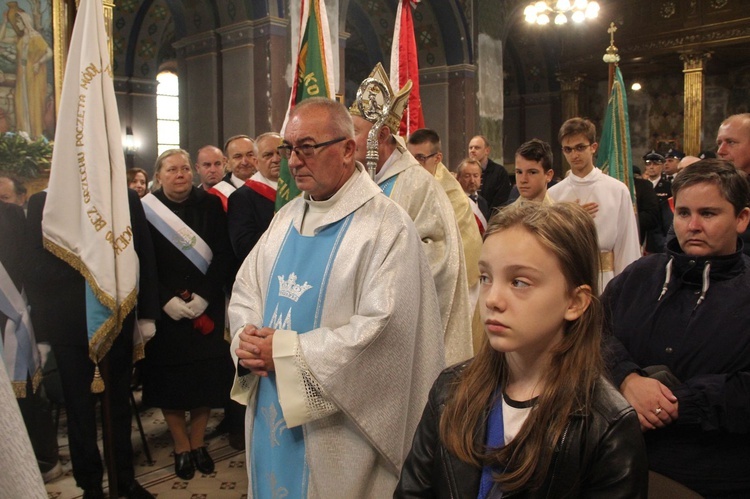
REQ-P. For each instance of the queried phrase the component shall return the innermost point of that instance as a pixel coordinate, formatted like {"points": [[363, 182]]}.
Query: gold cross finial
{"points": [[611, 31]]}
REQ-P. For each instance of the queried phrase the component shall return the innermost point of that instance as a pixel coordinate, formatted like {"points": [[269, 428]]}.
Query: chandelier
{"points": [[560, 10]]}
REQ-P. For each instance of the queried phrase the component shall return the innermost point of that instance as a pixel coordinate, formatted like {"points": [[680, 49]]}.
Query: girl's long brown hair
{"points": [[575, 365]]}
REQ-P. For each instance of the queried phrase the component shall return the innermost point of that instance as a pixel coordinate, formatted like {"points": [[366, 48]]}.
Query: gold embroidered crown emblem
{"points": [[290, 289]]}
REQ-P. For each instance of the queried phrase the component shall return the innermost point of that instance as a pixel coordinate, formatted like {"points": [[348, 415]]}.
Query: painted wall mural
{"points": [[26, 68]]}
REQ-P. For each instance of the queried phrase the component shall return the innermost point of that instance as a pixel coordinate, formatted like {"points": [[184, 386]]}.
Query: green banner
{"points": [[614, 156], [310, 82]]}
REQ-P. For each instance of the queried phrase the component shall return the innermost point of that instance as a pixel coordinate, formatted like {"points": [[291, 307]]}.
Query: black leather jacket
{"points": [[602, 455]]}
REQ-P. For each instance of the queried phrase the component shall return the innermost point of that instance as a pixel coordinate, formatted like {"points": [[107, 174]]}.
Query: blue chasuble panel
{"points": [[295, 297]]}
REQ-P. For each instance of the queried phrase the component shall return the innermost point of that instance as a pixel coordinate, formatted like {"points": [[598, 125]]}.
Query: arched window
{"points": [[167, 111]]}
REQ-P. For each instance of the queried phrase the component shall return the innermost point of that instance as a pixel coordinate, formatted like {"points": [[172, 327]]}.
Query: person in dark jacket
{"points": [[649, 214], [56, 294], [188, 366], [34, 405], [531, 415], [495, 179], [679, 348]]}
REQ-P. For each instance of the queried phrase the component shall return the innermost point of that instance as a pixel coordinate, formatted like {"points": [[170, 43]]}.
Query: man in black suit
{"points": [[210, 163], [242, 159], [251, 207], [663, 188], [495, 180], [671, 162], [57, 296], [649, 214]]}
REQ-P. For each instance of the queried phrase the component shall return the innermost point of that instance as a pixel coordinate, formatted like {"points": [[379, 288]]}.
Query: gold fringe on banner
{"points": [[103, 338], [19, 388]]}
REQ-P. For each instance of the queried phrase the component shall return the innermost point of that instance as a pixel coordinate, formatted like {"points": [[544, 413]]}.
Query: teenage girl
{"points": [[531, 415]]}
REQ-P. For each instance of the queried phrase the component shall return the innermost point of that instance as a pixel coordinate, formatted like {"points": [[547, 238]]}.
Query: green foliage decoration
{"points": [[22, 157]]}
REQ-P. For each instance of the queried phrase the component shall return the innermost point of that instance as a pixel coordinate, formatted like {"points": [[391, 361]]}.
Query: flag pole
{"points": [[611, 57], [107, 434]]}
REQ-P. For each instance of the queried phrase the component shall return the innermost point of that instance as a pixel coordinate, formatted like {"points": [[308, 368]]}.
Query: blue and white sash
{"points": [[177, 232], [294, 301], [19, 350]]}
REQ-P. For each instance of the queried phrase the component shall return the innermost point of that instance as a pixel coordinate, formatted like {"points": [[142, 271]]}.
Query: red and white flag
{"points": [[405, 67]]}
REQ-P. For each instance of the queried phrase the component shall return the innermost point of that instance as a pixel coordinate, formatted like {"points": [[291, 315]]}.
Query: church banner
{"points": [[405, 67], [313, 78], [614, 155], [86, 219]]}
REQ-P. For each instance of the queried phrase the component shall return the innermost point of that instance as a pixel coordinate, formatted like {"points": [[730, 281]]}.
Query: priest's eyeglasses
{"points": [[578, 148], [305, 150]]}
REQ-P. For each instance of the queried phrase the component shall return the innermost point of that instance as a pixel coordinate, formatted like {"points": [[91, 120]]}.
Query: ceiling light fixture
{"points": [[561, 11]]}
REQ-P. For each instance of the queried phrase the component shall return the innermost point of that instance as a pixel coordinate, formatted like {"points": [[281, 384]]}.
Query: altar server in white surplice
{"points": [[604, 197], [334, 314]]}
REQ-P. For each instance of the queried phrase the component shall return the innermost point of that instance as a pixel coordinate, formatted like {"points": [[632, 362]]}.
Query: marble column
{"points": [[570, 84], [199, 67], [237, 83], [694, 65], [271, 58], [449, 107]]}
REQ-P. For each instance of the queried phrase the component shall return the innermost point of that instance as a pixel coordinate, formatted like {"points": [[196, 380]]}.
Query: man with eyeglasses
{"points": [[334, 314], [252, 206], [402, 178], [605, 197], [424, 145]]}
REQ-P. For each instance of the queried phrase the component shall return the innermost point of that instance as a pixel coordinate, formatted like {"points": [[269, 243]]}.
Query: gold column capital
{"points": [[694, 61], [570, 82]]}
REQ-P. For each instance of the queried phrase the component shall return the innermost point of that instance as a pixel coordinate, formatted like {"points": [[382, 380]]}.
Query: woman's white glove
{"points": [[198, 305], [44, 349], [177, 309], [147, 327]]}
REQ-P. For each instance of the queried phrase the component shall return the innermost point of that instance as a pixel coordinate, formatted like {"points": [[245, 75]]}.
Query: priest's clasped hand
{"points": [[255, 351]]}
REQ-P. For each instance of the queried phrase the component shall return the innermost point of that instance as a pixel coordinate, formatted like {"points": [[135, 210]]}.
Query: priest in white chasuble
{"points": [[400, 176], [334, 314]]}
